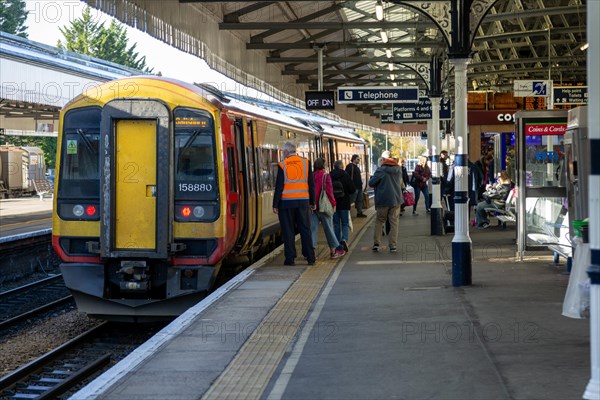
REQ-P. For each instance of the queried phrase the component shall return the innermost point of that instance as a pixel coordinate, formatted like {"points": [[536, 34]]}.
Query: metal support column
{"points": [[437, 213], [435, 94], [461, 243], [592, 390], [460, 55], [320, 66]]}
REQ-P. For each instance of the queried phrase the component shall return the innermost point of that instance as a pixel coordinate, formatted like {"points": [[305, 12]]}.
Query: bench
{"points": [[508, 213], [42, 187], [554, 235]]}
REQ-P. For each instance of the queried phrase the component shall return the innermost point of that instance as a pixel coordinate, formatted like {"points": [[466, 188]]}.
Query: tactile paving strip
{"points": [[249, 372]]}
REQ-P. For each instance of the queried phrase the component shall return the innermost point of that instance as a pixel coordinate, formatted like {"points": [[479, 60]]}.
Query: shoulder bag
{"points": [[325, 205]]}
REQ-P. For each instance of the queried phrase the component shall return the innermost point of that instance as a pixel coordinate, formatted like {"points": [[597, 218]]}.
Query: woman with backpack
{"points": [[343, 187]]}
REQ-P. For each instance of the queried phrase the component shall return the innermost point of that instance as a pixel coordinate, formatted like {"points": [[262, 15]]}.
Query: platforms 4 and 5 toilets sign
{"points": [[378, 94]]}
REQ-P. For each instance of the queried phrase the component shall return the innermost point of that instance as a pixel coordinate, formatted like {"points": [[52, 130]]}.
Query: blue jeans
{"points": [[327, 223], [340, 224], [481, 214]]}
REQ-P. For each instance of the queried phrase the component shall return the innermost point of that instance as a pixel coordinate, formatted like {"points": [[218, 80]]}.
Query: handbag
{"points": [[409, 198], [325, 205]]}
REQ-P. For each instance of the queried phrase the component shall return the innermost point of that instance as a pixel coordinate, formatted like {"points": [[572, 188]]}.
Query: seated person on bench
{"points": [[494, 197]]}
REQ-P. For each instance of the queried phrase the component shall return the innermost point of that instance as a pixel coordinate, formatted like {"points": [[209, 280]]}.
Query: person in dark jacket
{"points": [[353, 170], [341, 217], [405, 181], [421, 175], [473, 185], [444, 171], [387, 181], [293, 200]]}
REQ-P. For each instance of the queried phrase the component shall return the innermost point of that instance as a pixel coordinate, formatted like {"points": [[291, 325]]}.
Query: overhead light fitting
{"points": [[584, 46], [394, 84], [392, 76], [388, 53], [390, 66], [384, 37], [379, 11]]}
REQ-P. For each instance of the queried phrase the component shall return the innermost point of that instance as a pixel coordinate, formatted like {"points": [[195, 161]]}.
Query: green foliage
{"points": [[89, 37], [13, 16], [47, 144]]}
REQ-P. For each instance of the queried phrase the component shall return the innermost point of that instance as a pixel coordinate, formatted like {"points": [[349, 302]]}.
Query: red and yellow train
{"points": [[160, 183]]}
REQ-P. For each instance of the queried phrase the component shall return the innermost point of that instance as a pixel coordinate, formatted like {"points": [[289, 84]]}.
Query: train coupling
{"points": [[135, 278]]}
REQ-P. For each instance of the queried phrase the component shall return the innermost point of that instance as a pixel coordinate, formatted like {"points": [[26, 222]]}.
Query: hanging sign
{"points": [[420, 111], [571, 95], [529, 88], [319, 100], [378, 94]]}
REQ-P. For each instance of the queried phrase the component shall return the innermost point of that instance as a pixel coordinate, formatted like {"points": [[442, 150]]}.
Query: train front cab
{"points": [[140, 222]]}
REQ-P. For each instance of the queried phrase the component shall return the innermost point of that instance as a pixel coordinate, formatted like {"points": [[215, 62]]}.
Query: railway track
{"points": [[33, 299], [75, 362]]}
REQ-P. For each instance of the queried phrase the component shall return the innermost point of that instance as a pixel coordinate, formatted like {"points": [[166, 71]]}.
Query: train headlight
{"points": [[199, 211], [78, 210]]}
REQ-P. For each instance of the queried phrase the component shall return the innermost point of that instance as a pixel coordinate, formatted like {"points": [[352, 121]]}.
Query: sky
{"points": [[47, 16]]}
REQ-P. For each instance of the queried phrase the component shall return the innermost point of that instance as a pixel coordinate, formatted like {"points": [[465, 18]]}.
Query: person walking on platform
{"points": [[387, 181], [353, 170], [343, 187], [444, 171], [293, 200], [405, 179], [323, 183], [421, 175]]}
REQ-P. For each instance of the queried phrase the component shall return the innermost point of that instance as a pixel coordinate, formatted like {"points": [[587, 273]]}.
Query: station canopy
{"points": [[275, 44]]}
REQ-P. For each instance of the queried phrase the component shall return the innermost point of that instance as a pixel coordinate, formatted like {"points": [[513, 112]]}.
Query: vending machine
{"points": [[577, 164]]}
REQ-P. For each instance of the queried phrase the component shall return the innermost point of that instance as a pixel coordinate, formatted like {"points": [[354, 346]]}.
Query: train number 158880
{"points": [[195, 187]]}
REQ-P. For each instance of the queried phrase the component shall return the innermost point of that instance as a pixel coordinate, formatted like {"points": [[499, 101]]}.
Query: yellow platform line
{"points": [[248, 374]]}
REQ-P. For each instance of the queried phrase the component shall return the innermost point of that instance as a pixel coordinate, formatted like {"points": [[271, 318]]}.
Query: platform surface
{"points": [[372, 326]]}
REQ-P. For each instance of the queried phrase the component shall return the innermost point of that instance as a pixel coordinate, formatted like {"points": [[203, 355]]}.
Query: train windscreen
{"points": [[196, 177], [79, 169]]}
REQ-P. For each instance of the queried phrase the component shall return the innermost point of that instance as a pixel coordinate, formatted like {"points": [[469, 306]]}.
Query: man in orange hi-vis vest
{"points": [[293, 201]]}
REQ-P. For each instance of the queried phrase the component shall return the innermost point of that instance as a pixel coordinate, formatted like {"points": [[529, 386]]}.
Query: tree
{"points": [[13, 16], [89, 37], [47, 144]]}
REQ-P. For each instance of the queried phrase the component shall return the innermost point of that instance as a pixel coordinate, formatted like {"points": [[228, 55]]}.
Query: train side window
{"points": [[79, 166], [231, 169], [265, 170]]}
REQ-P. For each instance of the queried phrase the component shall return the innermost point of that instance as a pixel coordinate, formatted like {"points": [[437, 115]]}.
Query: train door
{"points": [[255, 167], [135, 180], [244, 134]]}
